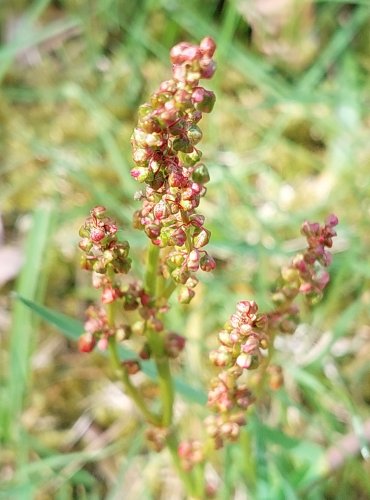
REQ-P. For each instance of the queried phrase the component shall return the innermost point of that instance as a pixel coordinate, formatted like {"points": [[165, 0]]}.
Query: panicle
{"points": [[165, 152]]}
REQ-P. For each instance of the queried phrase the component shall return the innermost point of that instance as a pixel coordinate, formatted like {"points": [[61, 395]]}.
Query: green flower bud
{"points": [[201, 237], [182, 144], [194, 134], [201, 174], [190, 159]]}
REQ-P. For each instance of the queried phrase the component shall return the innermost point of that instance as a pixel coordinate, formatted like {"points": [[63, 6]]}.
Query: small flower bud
{"points": [[182, 144], [180, 275], [97, 234], [160, 210], [201, 174], [193, 260], [220, 356], [98, 280], [208, 70], [145, 352], [190, 159], [208, 46], [85, 245], [141, 174], [185, 295], [103, 344], [174, 344], [177, 237], [194, 134], [332, 220], [123, 332], [204, 99], [201, 237], [84, 233], [131, 366], [98, 212], [109, 295], [207, 263], [197, 220], [86, 342]]}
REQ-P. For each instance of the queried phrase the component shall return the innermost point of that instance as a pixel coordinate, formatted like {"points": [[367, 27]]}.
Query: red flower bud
{"points": [[86, 343]]}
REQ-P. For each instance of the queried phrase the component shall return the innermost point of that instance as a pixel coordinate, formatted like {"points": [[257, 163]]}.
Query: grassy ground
{"points": [[288, 140]]}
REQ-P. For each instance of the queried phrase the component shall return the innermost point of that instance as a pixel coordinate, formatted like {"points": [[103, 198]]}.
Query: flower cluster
{"points": [[247, 332], [306, 275], [107, 258], [102, 251], [167, 160], [190, 453], [241, 341]]}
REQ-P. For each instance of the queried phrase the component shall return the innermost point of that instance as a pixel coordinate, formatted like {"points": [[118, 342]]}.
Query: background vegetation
{"points": [[288, 140]]}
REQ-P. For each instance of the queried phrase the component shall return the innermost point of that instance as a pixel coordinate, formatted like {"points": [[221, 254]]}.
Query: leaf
{"points": [[22, 332], [70, 327]]}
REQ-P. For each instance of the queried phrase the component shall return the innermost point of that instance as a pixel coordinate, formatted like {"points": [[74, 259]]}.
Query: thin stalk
{"points": [[129, 387], [156, 342], [165, 380], [263, 368], [166, 388], [152, 270], [169, 289]]}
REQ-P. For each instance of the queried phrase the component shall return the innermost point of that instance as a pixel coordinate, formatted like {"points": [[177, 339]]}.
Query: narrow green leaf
{"points": [[70, 327], [22, 330]]}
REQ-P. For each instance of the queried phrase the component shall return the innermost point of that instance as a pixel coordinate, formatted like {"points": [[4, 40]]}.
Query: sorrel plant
{"points": [[167, 163]]}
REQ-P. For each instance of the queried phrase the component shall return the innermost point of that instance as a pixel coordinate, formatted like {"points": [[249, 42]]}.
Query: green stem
{"points": [[156, 343], [152, 269], [129, 387], [165, 382], [259, 390], [169, 289]]}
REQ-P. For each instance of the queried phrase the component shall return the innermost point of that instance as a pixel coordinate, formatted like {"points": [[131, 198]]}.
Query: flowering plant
{"points": [[167, 163]]}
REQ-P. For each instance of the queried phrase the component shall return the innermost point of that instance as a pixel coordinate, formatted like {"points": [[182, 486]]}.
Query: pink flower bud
{"points": [[207, 263], [201, 237], [220, 356], [109, 295], [103, 344], [174, 344], [204, 99], [97, 234], [193, 260], [197, 220], [208, 46], [246, 307], [160, 210], [332, 220], [208, 70], [306, 288], [184, 52], [98, 212], [178, 237]]}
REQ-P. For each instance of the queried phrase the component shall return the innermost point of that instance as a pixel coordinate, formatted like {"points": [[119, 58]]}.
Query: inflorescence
{"points": [[167, 160]]}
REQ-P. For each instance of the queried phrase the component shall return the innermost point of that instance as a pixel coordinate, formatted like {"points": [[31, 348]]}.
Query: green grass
{"points": [[284, 144]]}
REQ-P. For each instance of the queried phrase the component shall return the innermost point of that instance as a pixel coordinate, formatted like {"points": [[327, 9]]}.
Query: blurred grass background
{"points": [[288, 140]]}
